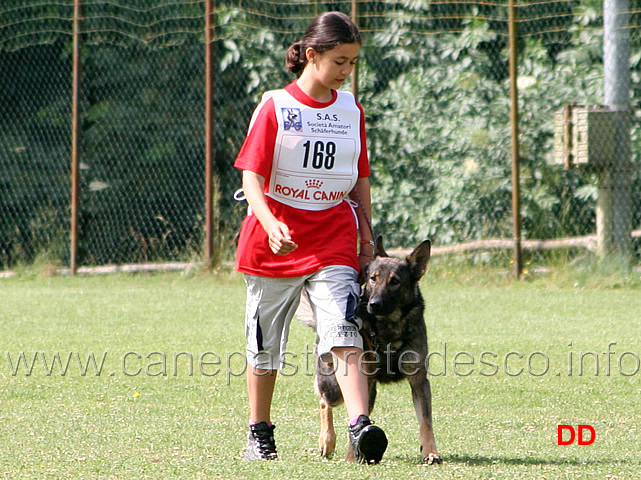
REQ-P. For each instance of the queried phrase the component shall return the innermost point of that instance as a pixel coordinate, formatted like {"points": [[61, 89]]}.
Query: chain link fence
{"points": [[434, 79]]}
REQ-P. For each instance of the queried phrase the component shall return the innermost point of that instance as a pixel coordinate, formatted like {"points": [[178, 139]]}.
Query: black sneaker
{"points": [[261, 444], [369, 441]]}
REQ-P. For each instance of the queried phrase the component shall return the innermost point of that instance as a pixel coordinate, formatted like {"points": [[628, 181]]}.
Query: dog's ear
{"points": [[379, 251], [418, 259]]}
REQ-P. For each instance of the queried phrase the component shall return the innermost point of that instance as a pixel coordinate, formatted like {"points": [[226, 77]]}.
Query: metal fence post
{"points": [[355, 72], [613, 204], [209, 132], [514, 99], [75, 137]]}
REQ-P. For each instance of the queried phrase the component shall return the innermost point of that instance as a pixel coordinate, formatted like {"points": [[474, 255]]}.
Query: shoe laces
{"points": [[264, 436]]}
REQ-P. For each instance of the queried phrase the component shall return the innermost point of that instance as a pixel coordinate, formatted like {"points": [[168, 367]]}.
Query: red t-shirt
{"points": [[325, 237]]}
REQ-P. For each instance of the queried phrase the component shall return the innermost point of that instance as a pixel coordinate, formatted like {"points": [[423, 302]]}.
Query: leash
{"points": [[367, 219], [370, 340]]}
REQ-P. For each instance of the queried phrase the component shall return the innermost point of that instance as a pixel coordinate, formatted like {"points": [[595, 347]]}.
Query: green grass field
{"points": [[166, 396]]}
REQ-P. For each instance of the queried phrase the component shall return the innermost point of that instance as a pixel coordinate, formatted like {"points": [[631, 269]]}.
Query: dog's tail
{"points": [[304, 312]]}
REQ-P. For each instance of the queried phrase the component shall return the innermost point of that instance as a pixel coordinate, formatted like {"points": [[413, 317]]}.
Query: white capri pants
{"points": [[271, 303]]}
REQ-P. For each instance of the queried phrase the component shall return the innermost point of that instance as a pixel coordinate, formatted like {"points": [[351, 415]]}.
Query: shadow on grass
{"points": [[481, 461]]}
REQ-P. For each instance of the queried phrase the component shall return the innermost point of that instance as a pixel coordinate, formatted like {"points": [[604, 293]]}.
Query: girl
{"points": [[304, 154]]}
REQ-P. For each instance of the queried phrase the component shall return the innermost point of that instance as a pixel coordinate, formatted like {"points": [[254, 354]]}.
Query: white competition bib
{"points": [[317, 151]]}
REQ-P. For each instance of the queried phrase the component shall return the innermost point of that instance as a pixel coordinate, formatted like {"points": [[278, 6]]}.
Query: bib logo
{"points": [[292, 119], [313, 183], [313, 192]]}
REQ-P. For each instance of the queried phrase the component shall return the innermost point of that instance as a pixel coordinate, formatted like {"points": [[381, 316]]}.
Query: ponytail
{"points": [[296, 59]]}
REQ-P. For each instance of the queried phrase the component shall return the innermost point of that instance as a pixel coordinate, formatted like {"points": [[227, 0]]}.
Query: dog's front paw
{"points": [[327, 444], [432, 459]]}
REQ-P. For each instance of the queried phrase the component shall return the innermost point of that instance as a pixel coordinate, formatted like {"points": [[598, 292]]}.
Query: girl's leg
{"points": [[271, 303], [333, 293], [352, 380], [260, 386], [260, 441]]}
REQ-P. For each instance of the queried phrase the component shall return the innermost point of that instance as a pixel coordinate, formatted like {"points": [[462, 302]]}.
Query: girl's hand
{"points": [[279, 239]]}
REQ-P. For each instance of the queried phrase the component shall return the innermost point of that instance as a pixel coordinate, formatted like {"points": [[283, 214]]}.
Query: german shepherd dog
{"points": [[395, 338]]}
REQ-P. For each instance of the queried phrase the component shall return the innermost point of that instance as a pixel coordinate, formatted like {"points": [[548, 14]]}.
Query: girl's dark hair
{"points": [[324, 33]]}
